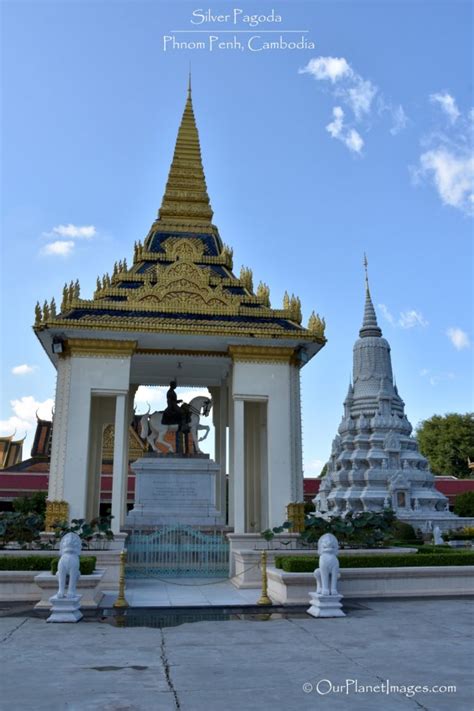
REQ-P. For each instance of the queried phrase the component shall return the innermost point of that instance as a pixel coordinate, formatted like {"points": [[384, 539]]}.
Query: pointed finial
{"points": [[189, 82], [370, 326], [366, 264]]}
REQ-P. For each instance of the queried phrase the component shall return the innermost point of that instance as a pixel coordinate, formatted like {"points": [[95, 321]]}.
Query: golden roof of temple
{"points": [[186, 203], [181, 279]]}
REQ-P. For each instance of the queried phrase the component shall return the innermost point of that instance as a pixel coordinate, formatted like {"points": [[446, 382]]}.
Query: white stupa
{"points": [[375, 462]]}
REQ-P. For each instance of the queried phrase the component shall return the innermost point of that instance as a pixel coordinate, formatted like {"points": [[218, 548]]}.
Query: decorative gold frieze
{"points": [[295, 515], [107, 322], [261, 354], [109, 348], [180, 287], [136, 446], [181, 353], [56, 512]]}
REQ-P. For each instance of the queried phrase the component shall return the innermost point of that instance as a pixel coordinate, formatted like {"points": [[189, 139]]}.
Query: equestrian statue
{"points": [[175, 418]]}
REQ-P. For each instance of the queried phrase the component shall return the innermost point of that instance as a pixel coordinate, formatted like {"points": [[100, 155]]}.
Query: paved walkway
{"points": [[244, 665], [178, 592]]}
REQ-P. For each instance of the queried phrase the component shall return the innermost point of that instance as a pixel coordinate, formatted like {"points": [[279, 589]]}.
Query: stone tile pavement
{"points": [[244, 665], [178, 592]]}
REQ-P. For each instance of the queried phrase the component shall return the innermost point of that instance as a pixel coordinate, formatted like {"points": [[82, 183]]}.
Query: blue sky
{"points": [[312, 156]]}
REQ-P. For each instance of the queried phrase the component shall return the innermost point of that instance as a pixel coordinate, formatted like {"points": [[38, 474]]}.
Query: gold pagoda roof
{"points": [[181, 278]]}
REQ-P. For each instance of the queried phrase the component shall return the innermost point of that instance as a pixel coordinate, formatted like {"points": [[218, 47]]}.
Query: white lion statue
{"points": [[328, 571], [70, 548]]}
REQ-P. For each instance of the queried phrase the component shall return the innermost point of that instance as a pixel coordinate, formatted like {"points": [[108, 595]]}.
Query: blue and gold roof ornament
{"points": [[181, 279]]}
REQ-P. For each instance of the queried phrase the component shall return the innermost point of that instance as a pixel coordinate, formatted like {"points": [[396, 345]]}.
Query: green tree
{"points": [[447, 442], [36, 503], [324, 471], [464, 504]]}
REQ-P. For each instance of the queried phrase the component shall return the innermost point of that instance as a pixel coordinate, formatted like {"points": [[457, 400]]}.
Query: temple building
{"points": [[375, 462], [180, 309], [11, 451]]}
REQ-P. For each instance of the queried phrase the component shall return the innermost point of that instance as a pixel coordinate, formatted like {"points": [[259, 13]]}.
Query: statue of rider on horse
{"points": [[154, 426]]}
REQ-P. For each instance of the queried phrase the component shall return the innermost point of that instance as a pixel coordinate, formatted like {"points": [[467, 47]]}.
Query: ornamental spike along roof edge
{"points": [[181, 279]]}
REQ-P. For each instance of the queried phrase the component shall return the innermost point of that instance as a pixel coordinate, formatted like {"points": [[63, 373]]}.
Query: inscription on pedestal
{"points": [[180, 491]]}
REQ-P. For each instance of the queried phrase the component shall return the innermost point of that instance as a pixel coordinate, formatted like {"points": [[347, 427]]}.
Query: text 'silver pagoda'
{"points": [[178, 309]]}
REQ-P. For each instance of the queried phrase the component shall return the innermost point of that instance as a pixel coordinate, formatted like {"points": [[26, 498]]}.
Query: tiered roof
{"points": [[181, 279], [11, 451]]}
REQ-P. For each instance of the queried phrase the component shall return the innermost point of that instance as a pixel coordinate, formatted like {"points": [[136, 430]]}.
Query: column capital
{"points": [[261, 354], [99, 348]]}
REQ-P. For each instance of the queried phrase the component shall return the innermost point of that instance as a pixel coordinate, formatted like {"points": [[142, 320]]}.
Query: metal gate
{"points": [[177, 551]]}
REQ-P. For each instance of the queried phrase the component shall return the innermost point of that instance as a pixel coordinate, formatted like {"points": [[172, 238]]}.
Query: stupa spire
{"points": [[370, 326], [186, 202]]}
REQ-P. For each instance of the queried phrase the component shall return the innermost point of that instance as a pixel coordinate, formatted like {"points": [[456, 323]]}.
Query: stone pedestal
{"points": [[65, 609], [87, 585], [171, 490], [325, 605]]}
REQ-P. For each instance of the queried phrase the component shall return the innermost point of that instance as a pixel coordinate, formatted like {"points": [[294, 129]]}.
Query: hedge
{"points": [[460, 536], [307, 564], [41, 563], [86, 565]]}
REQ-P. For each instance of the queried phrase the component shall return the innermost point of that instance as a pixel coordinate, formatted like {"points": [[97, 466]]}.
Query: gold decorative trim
{"points": [[183, 327], [295, 515], [56, 512], [85, 347], [146, 291], [173, 352], [261, 354]]}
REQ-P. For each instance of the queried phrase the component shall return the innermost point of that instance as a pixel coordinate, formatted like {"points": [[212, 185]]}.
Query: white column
{"points": [[238, 473], [60, 430], [76, 468], [120, 465], [95, 461], [230, 410], [296, 435], [221, 501]]}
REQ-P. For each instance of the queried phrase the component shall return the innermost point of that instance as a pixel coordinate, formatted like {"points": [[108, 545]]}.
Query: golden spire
{"points": [[186, 202]]}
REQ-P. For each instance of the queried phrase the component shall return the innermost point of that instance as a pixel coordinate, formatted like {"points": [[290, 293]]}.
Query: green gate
{"points": [[178, 551]]}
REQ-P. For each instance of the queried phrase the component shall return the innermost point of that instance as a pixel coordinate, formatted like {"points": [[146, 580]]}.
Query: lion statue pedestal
{"points": [[326, 601], [66, 604]]}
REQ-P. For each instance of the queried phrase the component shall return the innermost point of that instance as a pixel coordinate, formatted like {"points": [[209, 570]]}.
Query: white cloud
{"points": [[447, 161], [314, 467], [400, 120], [458, 338], [58, 248], [452, 172], [354, 141], [436, 378], [23, 369], [448, 105], [386, 313], [73, 231], [337, 124], [360, 96], [23, 418], [350, 137], [331, 68], [412, 318], [407, 319]]}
